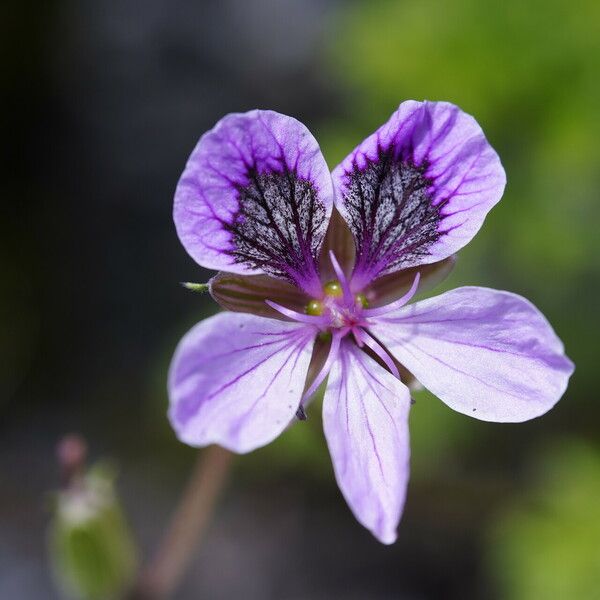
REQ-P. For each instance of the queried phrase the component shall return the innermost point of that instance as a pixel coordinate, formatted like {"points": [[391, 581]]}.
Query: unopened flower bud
{"points": [[91, 549]]}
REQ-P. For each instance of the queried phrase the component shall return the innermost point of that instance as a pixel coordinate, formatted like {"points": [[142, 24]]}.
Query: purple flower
{"points": [[256, 201]]}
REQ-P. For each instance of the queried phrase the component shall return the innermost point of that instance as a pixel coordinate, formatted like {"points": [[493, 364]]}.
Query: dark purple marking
{"points": [[279, 226], [391, 213]]}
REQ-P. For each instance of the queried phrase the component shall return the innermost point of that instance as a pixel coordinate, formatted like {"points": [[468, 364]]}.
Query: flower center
{"points": [[339, 313], [338, 309]]}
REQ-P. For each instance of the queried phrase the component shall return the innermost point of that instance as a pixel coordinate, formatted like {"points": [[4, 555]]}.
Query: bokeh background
{"points": [[104, 100]]}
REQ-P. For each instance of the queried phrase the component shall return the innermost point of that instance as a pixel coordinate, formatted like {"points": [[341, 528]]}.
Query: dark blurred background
{"points": [[103, 102]]}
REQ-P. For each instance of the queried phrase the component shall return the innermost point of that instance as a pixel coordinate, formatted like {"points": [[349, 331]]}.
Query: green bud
{"points": [[91, 549]]}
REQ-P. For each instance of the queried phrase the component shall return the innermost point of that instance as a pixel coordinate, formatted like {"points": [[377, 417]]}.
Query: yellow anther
{"points": [[315, 308], [362, 300], [333, 288]]}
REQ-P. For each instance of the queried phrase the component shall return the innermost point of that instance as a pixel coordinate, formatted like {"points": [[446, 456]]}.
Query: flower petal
{"points": [[365, 417], [237, 380], [485, 353], [418, 189], [248, 293], [255, 197]]}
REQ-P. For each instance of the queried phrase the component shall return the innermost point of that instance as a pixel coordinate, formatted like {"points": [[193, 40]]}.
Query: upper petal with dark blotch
{"points": [[236, 380], [248, 293], [255, 197], [488, 354], [365, 417], [418, 189]]}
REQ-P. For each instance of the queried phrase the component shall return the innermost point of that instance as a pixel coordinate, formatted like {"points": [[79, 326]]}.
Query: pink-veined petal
{"points": [[365, 418], [418, 189], [236, 380], [255, 197], [485, 353]]}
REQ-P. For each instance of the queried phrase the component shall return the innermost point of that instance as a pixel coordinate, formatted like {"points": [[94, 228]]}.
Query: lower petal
{"points": [[485, 353], [236, 380], [365, 417]]}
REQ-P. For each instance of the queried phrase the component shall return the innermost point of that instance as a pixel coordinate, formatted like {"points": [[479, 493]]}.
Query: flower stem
{"points": [[161, 577]]}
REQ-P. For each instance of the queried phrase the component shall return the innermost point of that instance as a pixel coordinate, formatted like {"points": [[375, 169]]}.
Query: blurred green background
{"points": [[106, 99]]}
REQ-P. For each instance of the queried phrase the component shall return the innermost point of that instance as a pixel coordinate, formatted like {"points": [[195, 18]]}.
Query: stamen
{"points": [[362, 337], [315, 308], [357, 337], [382, 310], [333, 352], [333, 289], [348, 296], [318, 320], [361, 299]]}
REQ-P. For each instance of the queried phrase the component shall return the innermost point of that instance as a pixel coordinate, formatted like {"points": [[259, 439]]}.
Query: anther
{"points": [[362, 301], [314, 307], [333, 288]]}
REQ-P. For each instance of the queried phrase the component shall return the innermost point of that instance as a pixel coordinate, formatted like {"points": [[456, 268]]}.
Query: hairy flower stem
{"points": [[161, 577]]}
